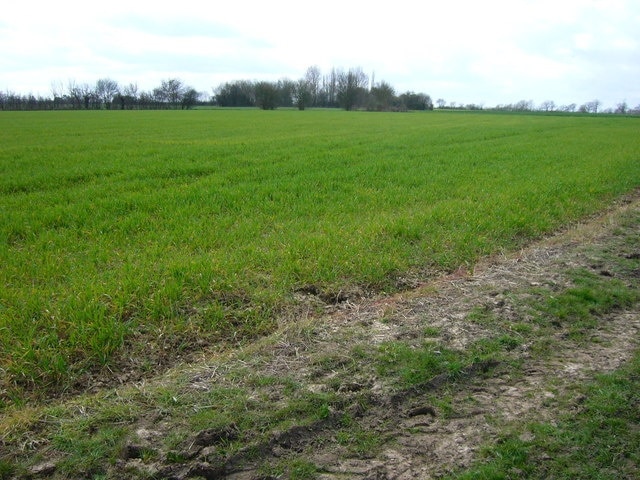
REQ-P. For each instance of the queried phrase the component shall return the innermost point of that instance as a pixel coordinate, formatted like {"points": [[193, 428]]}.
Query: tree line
{"points": [[105, 94], [350, 89], [593, 106]]}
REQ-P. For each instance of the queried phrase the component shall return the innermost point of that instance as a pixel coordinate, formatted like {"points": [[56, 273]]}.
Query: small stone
{"points": [[43, 469]]}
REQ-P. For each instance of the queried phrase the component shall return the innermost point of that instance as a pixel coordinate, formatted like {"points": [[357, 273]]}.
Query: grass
{"points": [[241, 407], [600, 441], [89, 436], [127, 235], [591, 296]]}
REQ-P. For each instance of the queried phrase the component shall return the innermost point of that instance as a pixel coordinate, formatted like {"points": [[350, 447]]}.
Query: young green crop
{"points": [[124, 236]]}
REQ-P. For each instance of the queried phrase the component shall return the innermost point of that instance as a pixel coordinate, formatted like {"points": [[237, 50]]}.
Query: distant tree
{"points": [[239, 93], [328, 92], [75, 94], [303, 94], [548, 106], [568, 108], [286, 92], [596, 105], [171, 92], [267, 95], [417, 101], [159, 97], [382, 96], [441, 103], [523, 106], [591, 107], [57, 89], [131, 90], [128, 99], [148, 99], [105, 90], [189, 98], [622, 108], [351, 88], [88, 96], [57, 92], [312, 77]]}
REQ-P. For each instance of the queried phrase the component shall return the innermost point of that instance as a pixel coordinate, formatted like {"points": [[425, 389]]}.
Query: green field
{"points": [[129, 238]]}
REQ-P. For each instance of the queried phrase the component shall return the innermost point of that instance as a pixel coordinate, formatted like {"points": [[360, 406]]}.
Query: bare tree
{"points": [[286, 92], [548, 106], [129, 96], [303, 93], [131, 90], [622, 107], [106, 89], [312, 78], [240, 93], [416, 101], [383, 96], [57, 89], [266, 95], [170, 91], [75, 94], [596, 105], [591, 107], [568, 108], [352, 88], [523, 106], [330, 88], [190, 98], [57, 92]]}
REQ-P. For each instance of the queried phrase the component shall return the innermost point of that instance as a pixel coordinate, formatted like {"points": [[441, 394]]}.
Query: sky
{"points": [[487, 52]]}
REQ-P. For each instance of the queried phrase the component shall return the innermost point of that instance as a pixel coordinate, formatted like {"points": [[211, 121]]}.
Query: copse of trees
{"points": [[350, 89]]}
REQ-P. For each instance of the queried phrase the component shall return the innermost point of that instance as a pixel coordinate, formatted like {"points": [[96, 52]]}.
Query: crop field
{"points": [[131, 239]]}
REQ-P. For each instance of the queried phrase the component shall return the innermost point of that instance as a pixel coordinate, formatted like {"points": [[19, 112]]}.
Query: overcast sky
{"points": [[486, 52]]}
